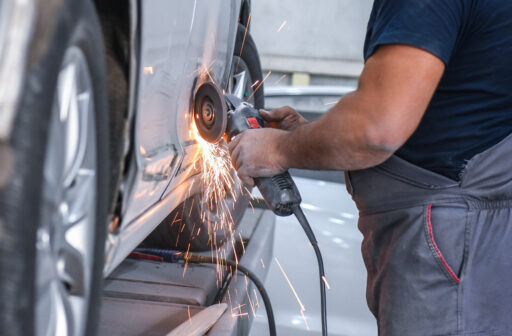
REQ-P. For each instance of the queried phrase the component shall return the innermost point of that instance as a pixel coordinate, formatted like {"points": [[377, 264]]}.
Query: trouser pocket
{"points": [[446, 234], [408, 254]]}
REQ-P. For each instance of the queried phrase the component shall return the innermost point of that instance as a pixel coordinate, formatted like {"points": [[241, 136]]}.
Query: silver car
{"points": [[97, 147]]}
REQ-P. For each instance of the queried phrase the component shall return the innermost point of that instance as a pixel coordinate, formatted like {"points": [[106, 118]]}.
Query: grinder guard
{"points": [[210, 112]]}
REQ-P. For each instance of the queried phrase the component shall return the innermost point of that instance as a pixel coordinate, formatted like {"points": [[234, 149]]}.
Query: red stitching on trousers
{"points": [[439, 254]]}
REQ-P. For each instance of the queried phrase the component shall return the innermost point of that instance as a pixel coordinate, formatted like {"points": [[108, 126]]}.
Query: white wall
{"points": [[321, 37]]}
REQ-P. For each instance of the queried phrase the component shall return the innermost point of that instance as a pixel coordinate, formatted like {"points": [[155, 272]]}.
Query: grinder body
{"points": [[279, 192]]}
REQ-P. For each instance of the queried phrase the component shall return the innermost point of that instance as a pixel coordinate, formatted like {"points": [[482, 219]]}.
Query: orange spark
{"points": [[243, 41], [305, 320], [281, 26], [260, 84], [249, 297], [239, 315], [185, 268], [280, 79], [302, 308], [186, 260], [242, 242], [256, 296], [326, 283], [262, 263], [142, 150], [208, 73]]}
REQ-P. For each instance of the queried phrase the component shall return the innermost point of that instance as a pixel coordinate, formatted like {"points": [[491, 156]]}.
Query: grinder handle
{"points": [[280, 193]]}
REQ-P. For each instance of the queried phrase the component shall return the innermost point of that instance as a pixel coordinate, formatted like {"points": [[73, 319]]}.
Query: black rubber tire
{"points": [[115, 23], [71, 23], [173, 234]]}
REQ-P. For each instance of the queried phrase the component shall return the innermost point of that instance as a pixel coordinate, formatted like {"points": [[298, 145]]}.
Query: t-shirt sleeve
{"points": [[432, 25]]}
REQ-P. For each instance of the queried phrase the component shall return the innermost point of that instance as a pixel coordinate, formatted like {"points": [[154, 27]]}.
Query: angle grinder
{"points": [[219, 116]]}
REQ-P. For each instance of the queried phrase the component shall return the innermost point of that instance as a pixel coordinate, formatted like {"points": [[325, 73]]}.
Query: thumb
{"points": [[265, 114], [274, 115]]}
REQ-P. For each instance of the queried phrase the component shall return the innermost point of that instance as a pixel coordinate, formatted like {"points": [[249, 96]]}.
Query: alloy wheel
{"points": [[65, 235]]}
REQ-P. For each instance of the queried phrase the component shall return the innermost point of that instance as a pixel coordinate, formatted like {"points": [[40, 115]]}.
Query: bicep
{"points": [[395, 89]]}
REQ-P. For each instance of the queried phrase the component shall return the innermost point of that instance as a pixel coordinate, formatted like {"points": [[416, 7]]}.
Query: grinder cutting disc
{"points": [[210, 112]]}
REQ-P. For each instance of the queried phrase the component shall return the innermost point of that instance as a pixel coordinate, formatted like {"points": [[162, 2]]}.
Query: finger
{"points": [[234, 143], [250, 182], [246, 179], [265, 114], [277, 114], [235, 157]]}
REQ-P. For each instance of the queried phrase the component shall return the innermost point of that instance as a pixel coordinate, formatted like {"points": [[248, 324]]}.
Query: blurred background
{"points": [[311, 42], [312, 52]]}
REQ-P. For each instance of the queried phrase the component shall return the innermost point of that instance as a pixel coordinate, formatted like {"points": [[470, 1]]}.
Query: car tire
{"points": [[69, 40], [185, 228]]}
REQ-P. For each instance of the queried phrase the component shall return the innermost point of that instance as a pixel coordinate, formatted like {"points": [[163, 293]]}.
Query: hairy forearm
{"points": [[364, 129], [348, 137]]}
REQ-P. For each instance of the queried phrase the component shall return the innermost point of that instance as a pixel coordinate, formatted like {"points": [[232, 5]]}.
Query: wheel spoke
{"points": [[64, 317], [80, 196], [54, 168], [74, 110], [240, 84], [44, 262], [71, 269]]}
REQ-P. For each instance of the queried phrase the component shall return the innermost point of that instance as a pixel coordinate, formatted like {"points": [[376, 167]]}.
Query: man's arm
{"points": [[362, 130]]}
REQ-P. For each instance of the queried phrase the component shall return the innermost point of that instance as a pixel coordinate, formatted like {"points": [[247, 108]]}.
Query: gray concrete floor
{"points": [[333, 216]]}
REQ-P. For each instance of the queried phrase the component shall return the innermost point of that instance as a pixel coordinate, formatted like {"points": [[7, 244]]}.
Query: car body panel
{"points": [[182, 43]]}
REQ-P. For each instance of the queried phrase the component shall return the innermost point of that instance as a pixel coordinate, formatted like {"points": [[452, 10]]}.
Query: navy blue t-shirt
{"points": [[472, 108]]}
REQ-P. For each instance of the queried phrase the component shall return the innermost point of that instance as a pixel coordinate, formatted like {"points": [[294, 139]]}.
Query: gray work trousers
{"points": [[438, 252]]}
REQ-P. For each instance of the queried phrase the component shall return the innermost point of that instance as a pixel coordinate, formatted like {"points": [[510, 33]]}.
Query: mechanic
{"points": [[427, 148]]}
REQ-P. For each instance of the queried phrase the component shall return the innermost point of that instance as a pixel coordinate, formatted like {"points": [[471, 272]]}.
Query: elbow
{"points": [[383, 140]]}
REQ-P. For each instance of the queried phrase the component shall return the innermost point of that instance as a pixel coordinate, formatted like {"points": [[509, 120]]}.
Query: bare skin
{"points": [[362, 130]]}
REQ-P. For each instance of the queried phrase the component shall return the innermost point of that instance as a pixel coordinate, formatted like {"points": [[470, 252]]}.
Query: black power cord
{"points": [[200, 259], [312, 239]]}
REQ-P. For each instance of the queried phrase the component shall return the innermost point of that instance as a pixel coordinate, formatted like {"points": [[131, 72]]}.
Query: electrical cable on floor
{"points": [[200, 259], [311, 236]]}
